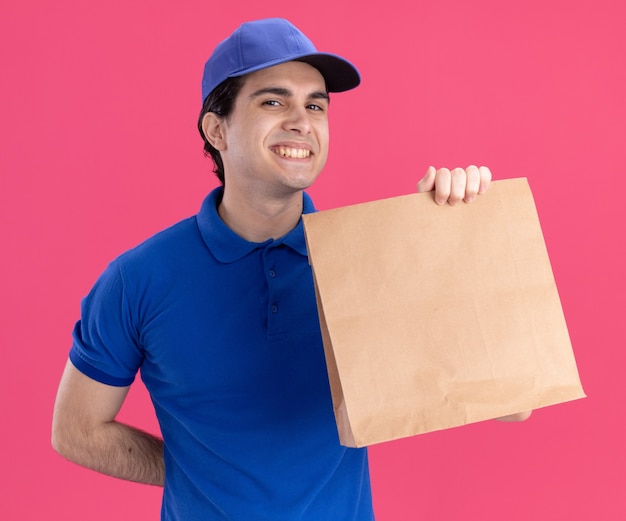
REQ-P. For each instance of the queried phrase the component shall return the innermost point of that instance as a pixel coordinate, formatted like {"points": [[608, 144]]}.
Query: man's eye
{"points": [[312, 106], [272, 102]]}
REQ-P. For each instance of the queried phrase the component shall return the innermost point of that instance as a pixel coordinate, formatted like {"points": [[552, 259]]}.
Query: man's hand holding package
{"points": [[454, 186]]}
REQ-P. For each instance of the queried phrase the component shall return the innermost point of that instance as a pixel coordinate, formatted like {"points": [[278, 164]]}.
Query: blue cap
{"points": [[263, 43]]}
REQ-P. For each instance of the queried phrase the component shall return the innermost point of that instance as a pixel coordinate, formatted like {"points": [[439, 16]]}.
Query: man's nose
{"points": [[297, 120]]}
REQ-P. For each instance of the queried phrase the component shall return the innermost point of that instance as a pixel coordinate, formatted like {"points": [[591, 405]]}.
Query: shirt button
{"points": [[272, 273], [274, 308]]}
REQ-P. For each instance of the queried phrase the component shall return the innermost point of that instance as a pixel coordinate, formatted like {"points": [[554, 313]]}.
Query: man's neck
{"points": [[257, 218]]}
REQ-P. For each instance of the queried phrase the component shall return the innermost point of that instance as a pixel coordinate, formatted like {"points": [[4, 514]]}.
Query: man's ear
{"points": [[213, 128]]}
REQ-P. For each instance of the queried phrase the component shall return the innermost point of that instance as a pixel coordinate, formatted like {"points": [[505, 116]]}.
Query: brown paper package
{"points": [[438, 316]]}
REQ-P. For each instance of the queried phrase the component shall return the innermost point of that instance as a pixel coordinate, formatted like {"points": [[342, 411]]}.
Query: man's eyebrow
{"points": [[287, 93], [320, 94]]}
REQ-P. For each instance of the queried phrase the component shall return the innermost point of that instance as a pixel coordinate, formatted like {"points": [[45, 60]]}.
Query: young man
{"points": [[219, 312]]}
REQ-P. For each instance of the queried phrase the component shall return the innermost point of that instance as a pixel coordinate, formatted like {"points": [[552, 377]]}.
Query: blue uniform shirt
{"points": [[226, 335]]}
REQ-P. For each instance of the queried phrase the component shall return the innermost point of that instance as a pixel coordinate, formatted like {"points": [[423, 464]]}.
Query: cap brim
{"points": [[340, 75]]}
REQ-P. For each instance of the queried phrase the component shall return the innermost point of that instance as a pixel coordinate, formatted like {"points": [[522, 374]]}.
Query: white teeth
{"points": [[299, 153]]}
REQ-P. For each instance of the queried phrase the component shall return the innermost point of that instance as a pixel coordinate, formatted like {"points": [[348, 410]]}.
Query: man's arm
{"points": [[84, 431]]}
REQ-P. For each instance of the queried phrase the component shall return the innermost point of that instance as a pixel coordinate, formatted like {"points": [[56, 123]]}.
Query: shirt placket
{"points": [[272, 274]]}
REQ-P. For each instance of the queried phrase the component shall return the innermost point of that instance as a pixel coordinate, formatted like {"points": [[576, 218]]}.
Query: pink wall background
{"points": [[98, 150]]}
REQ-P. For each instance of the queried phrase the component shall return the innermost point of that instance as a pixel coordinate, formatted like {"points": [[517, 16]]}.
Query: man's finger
{"points": [[485, 179], [458, 183], [427, 183], [442, 185], [473, 183]]}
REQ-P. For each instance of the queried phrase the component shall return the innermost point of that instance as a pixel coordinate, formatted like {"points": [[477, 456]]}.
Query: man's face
{"points": [[276, 138]]}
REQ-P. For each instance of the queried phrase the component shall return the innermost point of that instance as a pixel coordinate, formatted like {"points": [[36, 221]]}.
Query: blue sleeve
{"points": [[106, 338]]}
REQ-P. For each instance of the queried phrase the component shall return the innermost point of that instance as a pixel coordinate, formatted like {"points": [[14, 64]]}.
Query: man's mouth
{"points": [[298, 153]]}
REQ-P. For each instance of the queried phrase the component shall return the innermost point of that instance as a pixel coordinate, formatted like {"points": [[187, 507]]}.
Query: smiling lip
{"points": [[292, 152]]}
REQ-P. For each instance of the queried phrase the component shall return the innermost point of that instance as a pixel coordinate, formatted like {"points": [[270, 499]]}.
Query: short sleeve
{"points": [[105, 340]]}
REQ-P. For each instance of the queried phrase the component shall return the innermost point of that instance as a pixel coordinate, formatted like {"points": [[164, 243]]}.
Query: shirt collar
{"points": [[226, 246]]}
